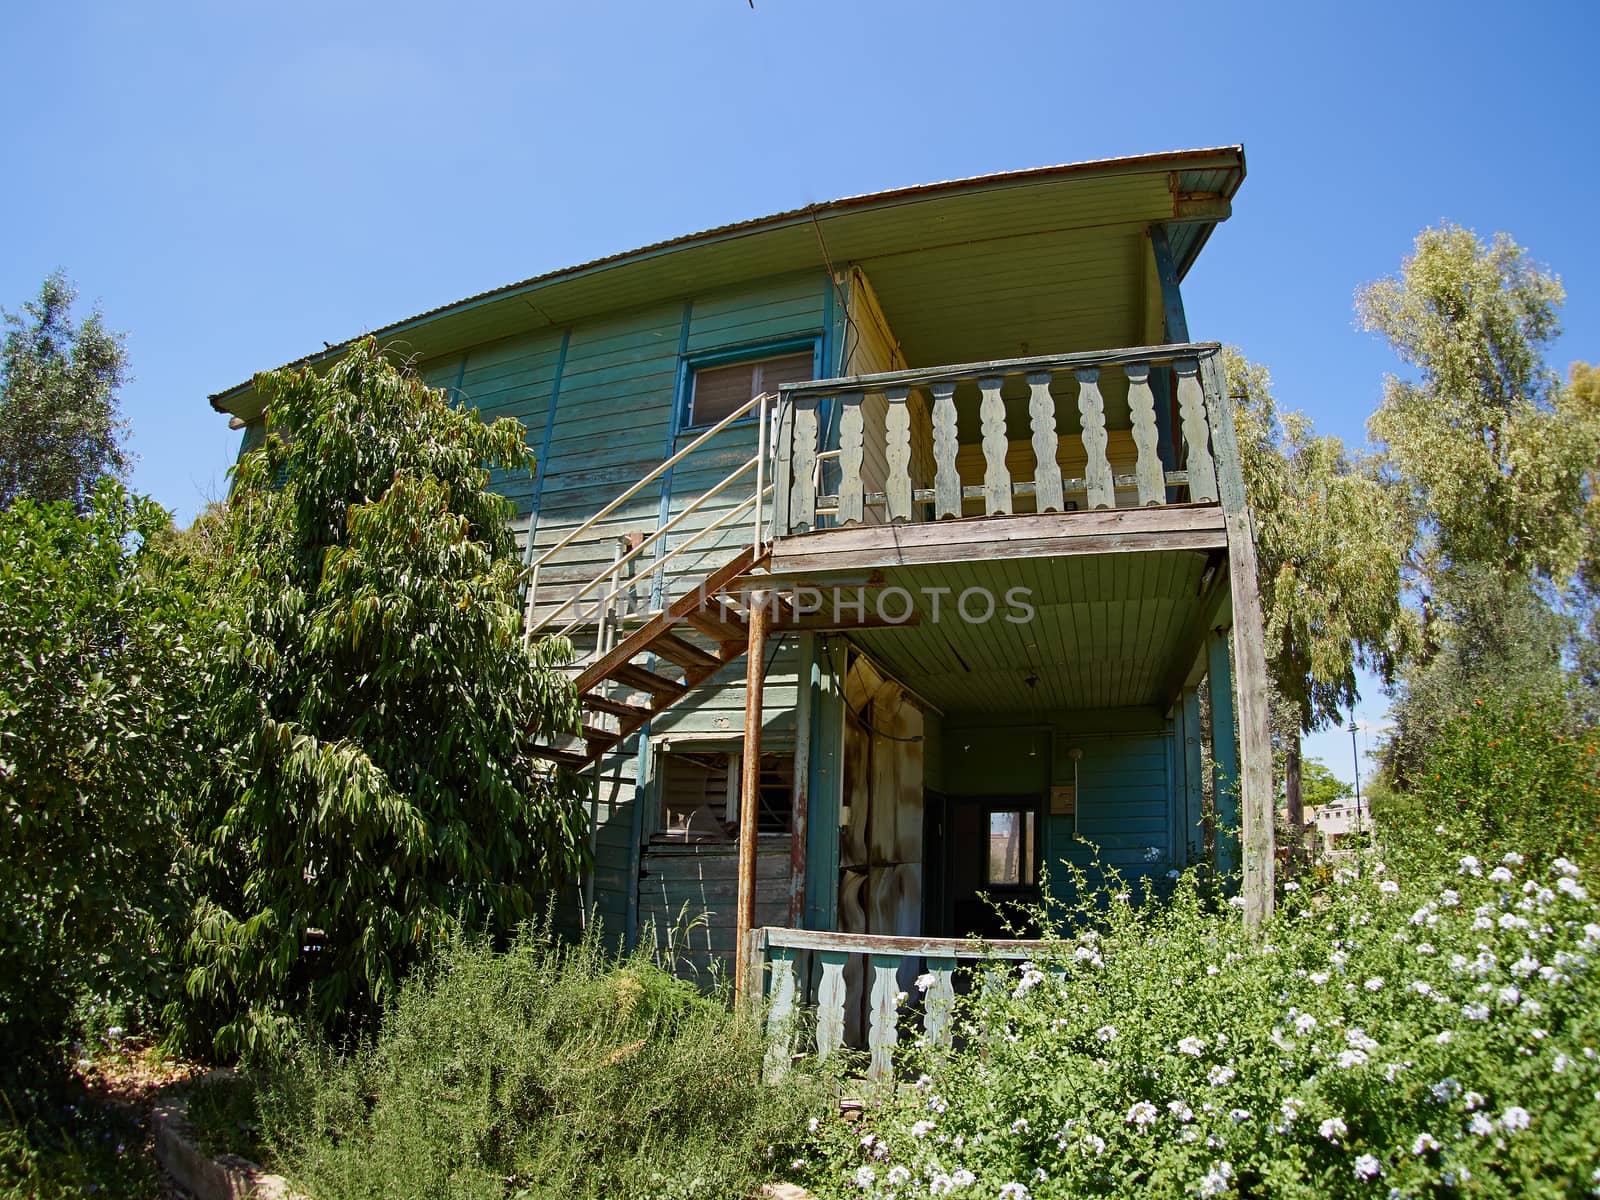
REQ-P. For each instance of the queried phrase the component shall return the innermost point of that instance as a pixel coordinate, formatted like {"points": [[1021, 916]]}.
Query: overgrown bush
{"points": [[1514, 775], [542, 1072], [1405, 1032]]}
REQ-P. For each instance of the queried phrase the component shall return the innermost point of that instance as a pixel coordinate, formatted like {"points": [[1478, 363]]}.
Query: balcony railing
{"points": [[1101, 430]]}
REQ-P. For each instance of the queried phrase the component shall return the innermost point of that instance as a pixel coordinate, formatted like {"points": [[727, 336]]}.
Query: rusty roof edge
{"points": [[1134, 164]]}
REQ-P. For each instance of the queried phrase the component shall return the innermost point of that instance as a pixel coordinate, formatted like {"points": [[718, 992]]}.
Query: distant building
{"points": [[1330, 824]]}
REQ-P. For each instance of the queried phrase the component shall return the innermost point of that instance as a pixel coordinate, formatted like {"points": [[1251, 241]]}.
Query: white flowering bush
{"points": [[1409, 1030]]}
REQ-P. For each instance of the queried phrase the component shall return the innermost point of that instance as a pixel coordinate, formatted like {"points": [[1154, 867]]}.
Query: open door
{"points": [[991, 860]]}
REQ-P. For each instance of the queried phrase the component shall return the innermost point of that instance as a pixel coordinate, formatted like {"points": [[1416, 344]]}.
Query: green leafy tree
{"points": [[60, 428], [1331, 542], [1320, 785], [96, 744], [375, 707]]}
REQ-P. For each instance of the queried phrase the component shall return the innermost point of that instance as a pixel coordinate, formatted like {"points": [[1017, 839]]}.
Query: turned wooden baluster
{"points": [[1142, 405], [897, 450], [1091, 408], [830, 1003], [996, 478], [1046, 470], [885, 1004], [781, 1014], [851, 428], [946, 482], [939, 1001], [803, 488], [1196, 433]]}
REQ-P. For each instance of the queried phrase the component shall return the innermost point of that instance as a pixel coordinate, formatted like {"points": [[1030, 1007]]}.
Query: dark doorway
{"points": [[988, 855]]}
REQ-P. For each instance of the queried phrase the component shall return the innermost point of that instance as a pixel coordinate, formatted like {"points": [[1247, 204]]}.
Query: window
{"points": [[700, 795], [1011, 848], [714, 392]]}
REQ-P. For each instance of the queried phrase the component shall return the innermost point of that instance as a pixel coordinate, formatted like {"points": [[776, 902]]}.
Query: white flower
{"points": [[1332, 1129], [1290, 1109], [1152, 854], [1509, 995], [1013, 1191], [1480, 1125], [1500, 875], [1239, 1115], [1375, 984], [1357, 1038], [1474, 1011], [1020, 1125], [1217, 1180], [1192, 1046], [1106, 1033], [1220, 1076], [1422, 987], [899, 1175], [1236, 901], [1472, 1100], [1291, 886], [1319, 977], [925, 981], [1352, 1058], [812, 1124], [963, 1178], [1514, 1118], [1470, 865], [1513, 859], [1389, 887], [1304, 1024], [1449, 897], [865, 1177], [1031, 977], [1444, 1037], [1181, 1111], [1572, 888], [1563, 866], [1424, 1142], [1142, 1113], [1367, 1167], [1561, 1063]]}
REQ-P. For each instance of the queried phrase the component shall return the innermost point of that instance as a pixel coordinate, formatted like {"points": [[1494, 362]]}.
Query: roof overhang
{"points": [[1044, 214]]}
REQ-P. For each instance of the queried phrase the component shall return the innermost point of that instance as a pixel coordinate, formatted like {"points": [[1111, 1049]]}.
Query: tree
{"points": [[96, 744], [375, 707], [1321, 786], [1330, 542], [1497, 462], [60, 428]]}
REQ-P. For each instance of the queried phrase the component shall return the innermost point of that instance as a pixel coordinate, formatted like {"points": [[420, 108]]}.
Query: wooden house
{"points": [[895, 535]]}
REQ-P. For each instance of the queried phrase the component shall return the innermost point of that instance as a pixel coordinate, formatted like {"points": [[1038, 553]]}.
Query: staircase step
{"points": [[690, 657], [709, 623], [593, 734], [647, 681], [565, 758], [617, 708]]}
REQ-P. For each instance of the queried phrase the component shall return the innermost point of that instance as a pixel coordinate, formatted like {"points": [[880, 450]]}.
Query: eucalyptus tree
{"points": [[374, 706], [1330, 541], [60, 426]]}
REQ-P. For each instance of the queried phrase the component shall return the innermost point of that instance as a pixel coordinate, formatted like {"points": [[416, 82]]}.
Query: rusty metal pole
{"points": [[750, 795]]}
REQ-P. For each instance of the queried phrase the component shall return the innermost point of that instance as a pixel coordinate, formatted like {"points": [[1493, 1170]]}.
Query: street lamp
{"points": [[1355, 754]]}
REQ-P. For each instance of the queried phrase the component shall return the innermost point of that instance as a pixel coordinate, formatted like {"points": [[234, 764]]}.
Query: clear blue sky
{"points": [[238, 183]]}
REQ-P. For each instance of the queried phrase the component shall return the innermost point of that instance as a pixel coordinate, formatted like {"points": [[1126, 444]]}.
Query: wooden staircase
{"points": [[689, 642]]}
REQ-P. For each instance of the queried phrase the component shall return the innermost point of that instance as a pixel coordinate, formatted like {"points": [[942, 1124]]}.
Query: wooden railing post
{"points": [[1091, 409], [1142, 407], [750, 796], [897, 452], [946, 482], [1048, 496], [883, 1030], [830, 1003], [852, 428], [996, 477], [1196, 433], [803, 465]]}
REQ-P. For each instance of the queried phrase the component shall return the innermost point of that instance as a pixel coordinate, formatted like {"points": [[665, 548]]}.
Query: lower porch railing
{"points": [[815, 979]]}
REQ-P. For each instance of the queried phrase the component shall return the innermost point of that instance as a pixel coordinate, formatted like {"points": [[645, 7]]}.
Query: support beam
{"points": [[1255, 734], [750, 797], [1224, 754], [1192, 802], [800, 796]]}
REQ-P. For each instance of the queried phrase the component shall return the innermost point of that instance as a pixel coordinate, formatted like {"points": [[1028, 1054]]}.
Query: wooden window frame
{"points": [[1023, 805], [733, 356]]}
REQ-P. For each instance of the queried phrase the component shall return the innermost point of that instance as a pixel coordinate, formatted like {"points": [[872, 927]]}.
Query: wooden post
{"points": [[800, 796], [750, 797], [1255, 736], [1224, 754]]}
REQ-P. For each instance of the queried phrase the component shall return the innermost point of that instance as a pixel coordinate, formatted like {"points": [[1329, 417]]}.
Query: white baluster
{"points": [[885, 1002], [780, 1015], [1196, 433], [946, 482], [830, 1004], [1091, 408], [996, 477], [1046, 470], [939, 1001], [803, 491], [851, 429], [1142, 405], [897, 450]]}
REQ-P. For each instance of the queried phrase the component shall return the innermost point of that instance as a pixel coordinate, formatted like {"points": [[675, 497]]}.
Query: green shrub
{"points": [[543, 1071], [1407, 1031], [1512, 775]]}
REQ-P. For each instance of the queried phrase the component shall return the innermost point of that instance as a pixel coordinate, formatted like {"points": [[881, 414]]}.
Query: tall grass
{"points": [[542, 1071]]}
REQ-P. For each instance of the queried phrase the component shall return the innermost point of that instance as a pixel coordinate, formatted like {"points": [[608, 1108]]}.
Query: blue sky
{"points": [[236, 184]]}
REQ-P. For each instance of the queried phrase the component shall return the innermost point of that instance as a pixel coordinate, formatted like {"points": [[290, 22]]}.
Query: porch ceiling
{"points": [[1108, 631]]}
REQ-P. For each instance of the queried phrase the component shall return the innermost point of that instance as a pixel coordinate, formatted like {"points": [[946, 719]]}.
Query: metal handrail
{"points": [[758, 462]]}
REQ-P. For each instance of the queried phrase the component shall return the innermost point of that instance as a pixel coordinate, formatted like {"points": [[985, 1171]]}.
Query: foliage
{"points": [[539, 1072], [1412, 1026], [374, 707], [96, 742], [1494, 457], [88, 1150], [1515, 775], [60, 428], [1320, 785], [221, 1109]]}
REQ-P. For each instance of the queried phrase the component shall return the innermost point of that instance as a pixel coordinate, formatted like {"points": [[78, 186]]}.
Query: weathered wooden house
{"points": [[896, 534]]}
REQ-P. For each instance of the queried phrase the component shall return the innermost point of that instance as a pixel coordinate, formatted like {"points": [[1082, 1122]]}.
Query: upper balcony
{"points": [[940, 463]]}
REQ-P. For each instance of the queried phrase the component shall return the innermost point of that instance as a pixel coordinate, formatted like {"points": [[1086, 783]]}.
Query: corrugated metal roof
{"points": [[1220, 169]]}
